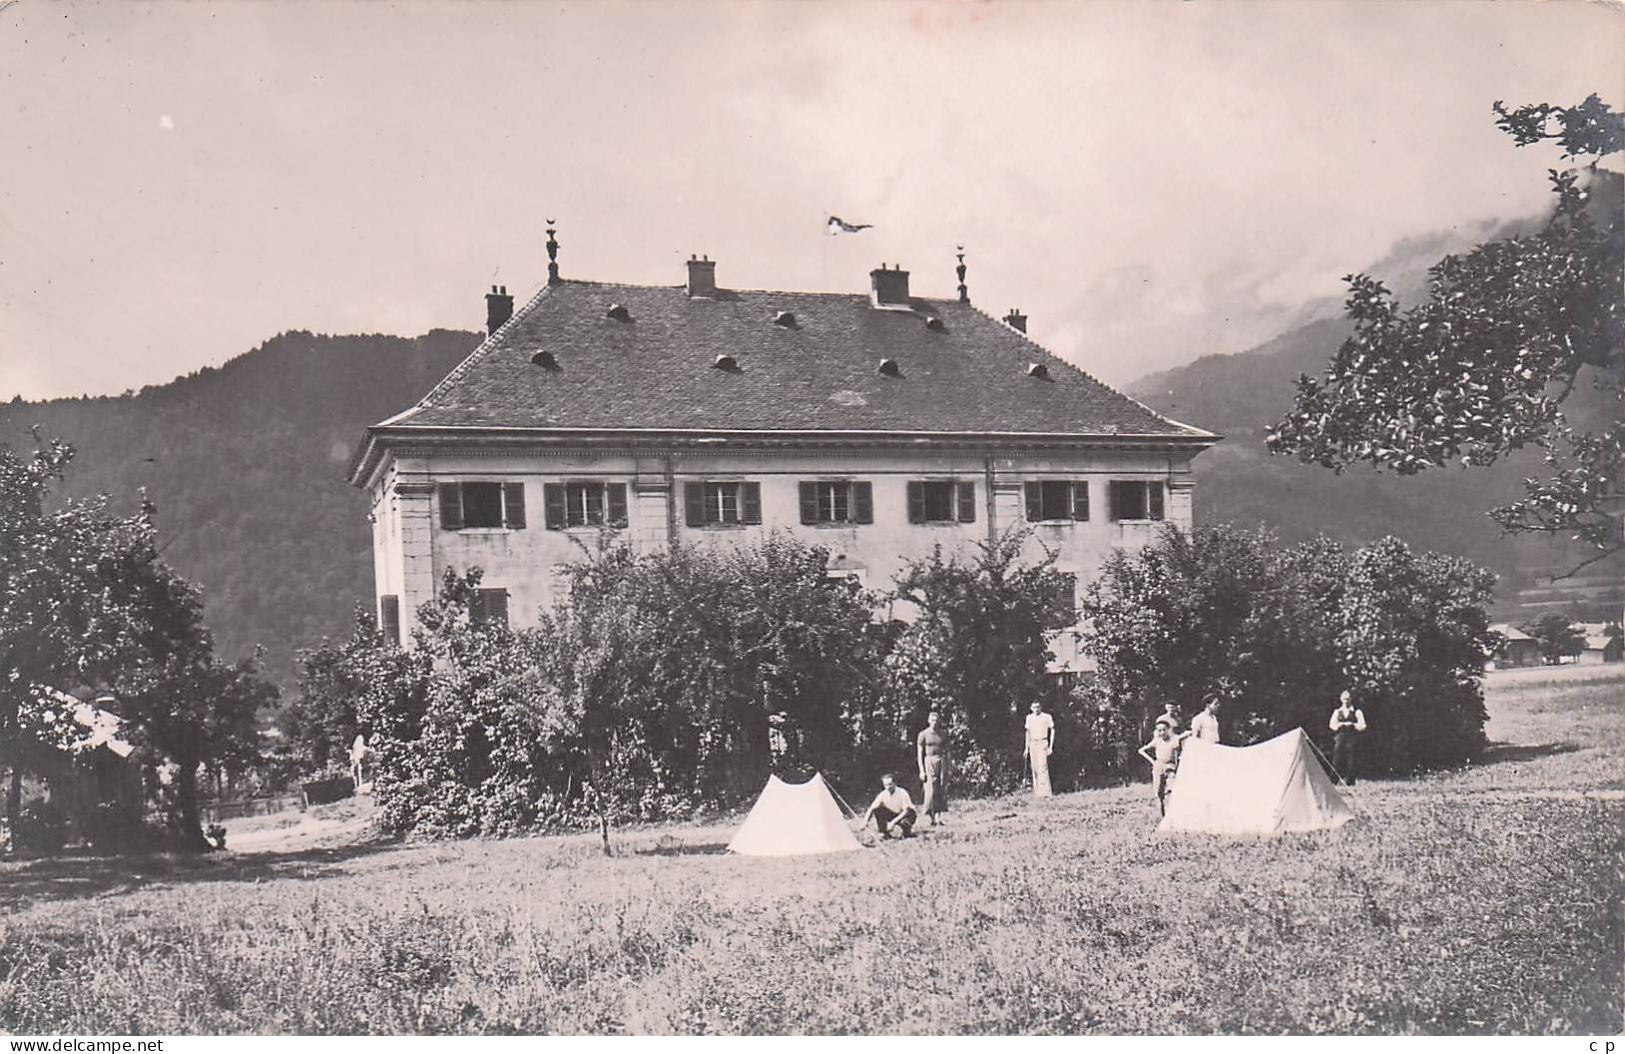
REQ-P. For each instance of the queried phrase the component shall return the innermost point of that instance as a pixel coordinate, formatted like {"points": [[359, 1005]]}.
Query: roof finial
{"points": [[964, 293], [552, 254]]}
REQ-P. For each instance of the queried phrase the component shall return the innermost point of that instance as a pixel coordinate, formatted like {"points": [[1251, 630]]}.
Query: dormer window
{"points": [[890, 368], [785, 319], [545, 359], [619, 313], [1038, 370], [726, 363], [934, 323]]}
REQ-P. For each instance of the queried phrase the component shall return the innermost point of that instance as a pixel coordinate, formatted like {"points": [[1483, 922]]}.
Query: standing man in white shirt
{"points": [[891, 806], [1205, 725], [1039, 744], [1347, 722]]}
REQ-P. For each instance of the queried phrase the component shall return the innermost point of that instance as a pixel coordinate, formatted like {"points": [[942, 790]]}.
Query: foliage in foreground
{"points": [[1277, 632]]}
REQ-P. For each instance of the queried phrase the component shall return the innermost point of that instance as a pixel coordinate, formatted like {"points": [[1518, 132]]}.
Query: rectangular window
{"points": [[389, 618], [584, 505], [1133, 499], [838, 501], [946, 501], [1057, 500], [472, 504], [489, 607], [722, 504]]}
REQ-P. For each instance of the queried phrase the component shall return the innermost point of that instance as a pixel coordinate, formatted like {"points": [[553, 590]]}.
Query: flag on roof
{"points": [[840, 226]]}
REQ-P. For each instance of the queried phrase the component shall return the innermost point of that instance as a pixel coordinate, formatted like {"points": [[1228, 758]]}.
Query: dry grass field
{"points": [[1485, 900]]}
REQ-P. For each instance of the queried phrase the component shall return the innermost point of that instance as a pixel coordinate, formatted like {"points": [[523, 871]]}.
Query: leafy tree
{"points": [[676, 664], [450, 722], [59, 626], [171, 691], [1277, 632], [647, 692], [1557, 636], [84, 600], [321, 723], [1485, 365], [978, 649]]}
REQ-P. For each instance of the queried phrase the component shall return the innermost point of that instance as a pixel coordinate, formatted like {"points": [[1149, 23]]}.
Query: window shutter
{"points": [[809, 502], [863, 502], [694, 502], [513, 506], [389, 618], [496, 606], [1035, 502], [750, 502], [967, 503], [1153, 493], [616, 494], [1114, 500], [553, 506], [451, 506], [916, 502], [1080, 500]]}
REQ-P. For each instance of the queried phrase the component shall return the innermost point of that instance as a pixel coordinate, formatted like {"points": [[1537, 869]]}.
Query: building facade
{"points": [[878, 427]]}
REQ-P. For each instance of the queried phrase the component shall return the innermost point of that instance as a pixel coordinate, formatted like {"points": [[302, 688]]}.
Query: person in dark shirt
{"points": [[1347, 722], [931, 749]]}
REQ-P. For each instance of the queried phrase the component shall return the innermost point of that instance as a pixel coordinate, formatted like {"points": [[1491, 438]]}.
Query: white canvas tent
{"points": [[1275, 786], [794, 819]]}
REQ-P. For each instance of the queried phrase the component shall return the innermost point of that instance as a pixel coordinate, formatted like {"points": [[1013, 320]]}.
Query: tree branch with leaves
{"points": [[1486, 365]]}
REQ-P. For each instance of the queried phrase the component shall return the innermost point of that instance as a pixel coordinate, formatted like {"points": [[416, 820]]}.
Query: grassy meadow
{"points": [[1484, 900]]}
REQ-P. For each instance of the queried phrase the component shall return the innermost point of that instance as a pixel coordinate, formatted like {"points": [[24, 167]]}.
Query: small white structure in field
{"points": [[1268, 788], [794, 819]]}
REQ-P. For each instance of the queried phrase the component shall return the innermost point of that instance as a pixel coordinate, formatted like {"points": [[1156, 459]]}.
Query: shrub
{"points": [[1277, 633]]}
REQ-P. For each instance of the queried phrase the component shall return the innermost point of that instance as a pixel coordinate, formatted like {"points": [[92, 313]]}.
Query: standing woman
{"points": [[931, 749], [1040, 743]]}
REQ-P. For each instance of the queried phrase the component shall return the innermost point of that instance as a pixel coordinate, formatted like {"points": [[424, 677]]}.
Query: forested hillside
{"points": [[246, 464]]}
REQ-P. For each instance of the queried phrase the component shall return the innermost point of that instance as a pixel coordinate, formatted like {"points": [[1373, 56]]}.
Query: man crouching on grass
{"points": [[891, 806]]}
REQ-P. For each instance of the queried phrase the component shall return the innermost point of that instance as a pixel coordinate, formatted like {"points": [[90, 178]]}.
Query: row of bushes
{"points": [[672, 683]]}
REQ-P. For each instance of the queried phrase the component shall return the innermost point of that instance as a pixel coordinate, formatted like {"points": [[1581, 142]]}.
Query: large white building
{"points": [[877, 426]]}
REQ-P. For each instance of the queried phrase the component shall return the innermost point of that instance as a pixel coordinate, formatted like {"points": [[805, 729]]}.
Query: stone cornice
{"points": [[409, 441]]}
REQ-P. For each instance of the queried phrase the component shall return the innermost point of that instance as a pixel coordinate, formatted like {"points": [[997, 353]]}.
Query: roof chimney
{"points": [[888, 287], [702, 276], [1016, 320], [498, 308]]}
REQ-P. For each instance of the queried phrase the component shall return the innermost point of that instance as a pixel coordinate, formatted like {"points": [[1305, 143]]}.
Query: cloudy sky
{"points": [[1150, 181]]}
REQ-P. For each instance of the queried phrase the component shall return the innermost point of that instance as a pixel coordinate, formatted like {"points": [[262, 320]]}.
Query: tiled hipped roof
{"points": [[654, 368]]}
